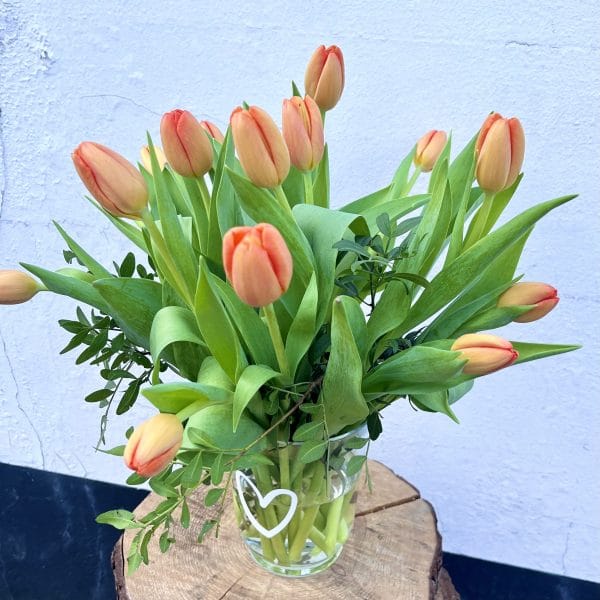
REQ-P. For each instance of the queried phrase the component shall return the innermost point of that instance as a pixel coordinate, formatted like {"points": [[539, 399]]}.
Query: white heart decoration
{"points": [[264, 501]]}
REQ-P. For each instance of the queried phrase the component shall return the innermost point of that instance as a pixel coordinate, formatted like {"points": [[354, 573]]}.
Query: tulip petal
{"points": [[517, 148], [493, 164]]}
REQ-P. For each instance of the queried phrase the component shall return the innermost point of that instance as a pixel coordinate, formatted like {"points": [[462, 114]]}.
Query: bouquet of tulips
{"points": [[288, 325]]}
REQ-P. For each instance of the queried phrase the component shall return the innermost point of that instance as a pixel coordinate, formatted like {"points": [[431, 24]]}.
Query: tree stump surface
{"points": [[394, 553]]}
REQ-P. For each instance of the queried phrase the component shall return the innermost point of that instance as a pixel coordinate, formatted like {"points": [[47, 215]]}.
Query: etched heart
{"points": [[264, 501]]}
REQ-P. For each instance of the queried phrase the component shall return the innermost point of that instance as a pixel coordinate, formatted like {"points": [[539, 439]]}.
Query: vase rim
{"points": [[335, 438]]}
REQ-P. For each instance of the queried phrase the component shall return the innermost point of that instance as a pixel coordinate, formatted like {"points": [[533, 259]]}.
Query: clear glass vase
{"points": [[295, 517]]}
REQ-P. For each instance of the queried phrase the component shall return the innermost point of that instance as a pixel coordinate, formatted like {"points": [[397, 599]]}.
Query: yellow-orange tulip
{"points": [[260, 146], [525, 293], [185, 143], [500, 149], [117, 185], [258, 263], [153, 445], [429, 148], [484, 352], [213, 131], [17, 287], [324, 77], [160, 157], [303, 132]]}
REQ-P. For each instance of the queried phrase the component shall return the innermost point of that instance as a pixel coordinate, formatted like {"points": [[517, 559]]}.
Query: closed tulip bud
{"points": [[117, 185], [429, 148], [187, 148], [258, 263], [324, 77], [500, 149], [17, 287], [213, 131], [153, 445], [160, 157], [543, 296], [485, 353], [260, 146], [303, 132]]}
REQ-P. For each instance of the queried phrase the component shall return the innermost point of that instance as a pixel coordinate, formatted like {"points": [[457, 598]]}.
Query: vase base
{"points": [[314, 562]]}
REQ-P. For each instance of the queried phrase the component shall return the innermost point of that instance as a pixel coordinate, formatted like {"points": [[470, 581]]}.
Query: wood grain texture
{"points": [[394, 553]]}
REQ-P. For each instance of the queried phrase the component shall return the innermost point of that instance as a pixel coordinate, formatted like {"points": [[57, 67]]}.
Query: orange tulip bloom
{"points": [[542, 295], [485, 353], [303, 132], [324, 78]]}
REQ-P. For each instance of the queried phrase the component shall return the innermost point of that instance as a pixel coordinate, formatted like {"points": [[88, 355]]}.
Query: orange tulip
{"points": [[17, 287], [186, 145], [260, 146], [213, 131], [117, 185], [160, 157], [153, 445], [258, 263], [499, 149], [542, 295], [303, 132], [324, 78], [485, 353], [429, 148]]}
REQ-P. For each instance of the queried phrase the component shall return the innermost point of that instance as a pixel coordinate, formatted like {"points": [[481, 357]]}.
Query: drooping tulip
{"points": [[485, 353], [185, 143], [543, 296], [153, 445], [303, 132], [213, 131], [17, 287], [429, 148], [260, 146], [258, 263], [500, 149], [324, 77], [113, 181], [146, 161]]}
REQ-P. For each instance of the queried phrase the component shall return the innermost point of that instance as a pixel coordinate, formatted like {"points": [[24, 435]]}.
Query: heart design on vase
{"points": [[242, 481]]}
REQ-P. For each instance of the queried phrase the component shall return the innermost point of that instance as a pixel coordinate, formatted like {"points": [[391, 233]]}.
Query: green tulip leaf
{"points": [[132, 303], [468, 268], [212, 428], [174, 397], [251, 380], [436, 402], [92, 265], [391, 310], [321, 181], [528, 351], [492, 319], [303, 328], [173, 324], [216, 327], [69, 286], [341, 395], [413, 371], [252, 330]]}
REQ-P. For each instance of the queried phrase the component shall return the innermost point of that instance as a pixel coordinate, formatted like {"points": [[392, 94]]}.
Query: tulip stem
{"points": [[205, 195], [161, 245], [282, 199], [479, 221], [275, 333], [411, 182], [308, 187]]}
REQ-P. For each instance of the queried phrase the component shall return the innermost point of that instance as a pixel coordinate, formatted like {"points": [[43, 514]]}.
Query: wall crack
{"points": [[18, 401]]}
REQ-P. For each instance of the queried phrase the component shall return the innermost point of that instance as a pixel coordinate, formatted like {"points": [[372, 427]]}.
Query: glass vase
{"points": [[295, 516]]}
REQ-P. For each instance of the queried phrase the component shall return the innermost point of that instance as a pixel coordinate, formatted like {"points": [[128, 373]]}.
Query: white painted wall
{"points": [[518, 480]]}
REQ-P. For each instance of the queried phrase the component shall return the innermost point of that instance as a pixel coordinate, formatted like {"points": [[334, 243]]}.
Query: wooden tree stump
{"points": [[394, 553]]}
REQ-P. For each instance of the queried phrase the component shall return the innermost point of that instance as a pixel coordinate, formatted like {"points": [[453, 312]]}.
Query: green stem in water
{"points": [[480, 220], [174, 274], [333, 522], [275, 333], [205, 194], [308, 187]]}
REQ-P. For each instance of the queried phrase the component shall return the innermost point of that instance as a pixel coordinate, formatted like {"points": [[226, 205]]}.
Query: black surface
{"points": [[50, 546], [52, 549]]}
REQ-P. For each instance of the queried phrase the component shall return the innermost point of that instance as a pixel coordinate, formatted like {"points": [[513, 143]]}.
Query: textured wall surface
{"points": [[518, 480]]}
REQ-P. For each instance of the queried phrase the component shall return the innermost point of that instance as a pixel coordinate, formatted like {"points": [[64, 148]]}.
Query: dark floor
{"points": [[52, 549]]}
